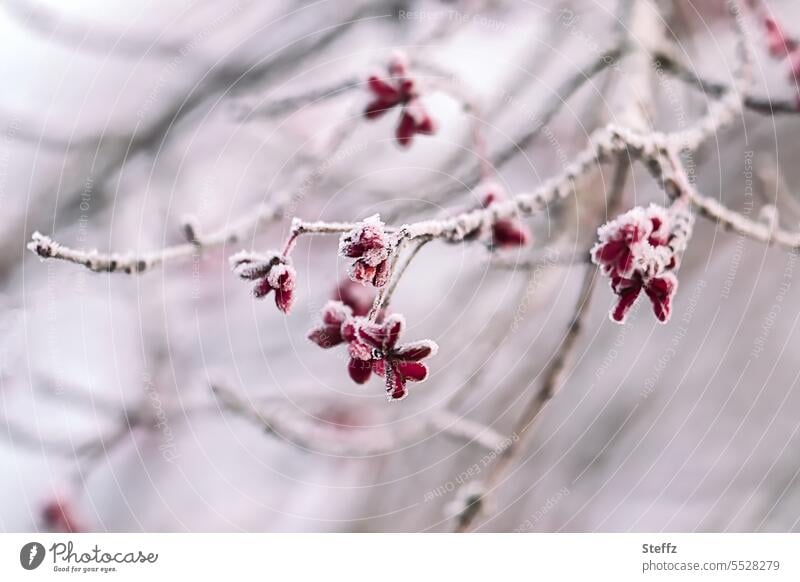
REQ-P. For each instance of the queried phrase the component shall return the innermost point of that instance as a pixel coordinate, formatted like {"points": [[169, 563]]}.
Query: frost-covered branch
{"points": [[47, 248]]}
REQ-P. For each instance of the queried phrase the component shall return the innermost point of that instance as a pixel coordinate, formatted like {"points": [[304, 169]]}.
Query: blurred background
{"points": [[122, 118]]}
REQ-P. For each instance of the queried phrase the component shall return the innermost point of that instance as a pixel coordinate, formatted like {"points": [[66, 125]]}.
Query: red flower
{"points": [[506, 232], [399, 90], [638, 251], [368, 244], [374, 349], [272, 271]]}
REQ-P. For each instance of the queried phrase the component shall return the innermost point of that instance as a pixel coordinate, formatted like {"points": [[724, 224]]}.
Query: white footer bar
{"points": [[400, 557]]}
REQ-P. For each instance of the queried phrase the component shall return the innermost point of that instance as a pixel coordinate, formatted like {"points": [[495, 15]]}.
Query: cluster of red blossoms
{"points": [[399, 89], [369, 246], [271, 272], [373, 347], [639, 252], [507, 232]]}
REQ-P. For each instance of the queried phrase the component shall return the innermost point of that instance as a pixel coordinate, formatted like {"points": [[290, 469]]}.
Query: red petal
{"points": [[383, 90], [393, 328], [395, 384], [379, 367], [405, 129], [510, 233], [359, 351], [426, 126], [609, 252], [413, 371], [373, 334], [381, 274], [627, 297], [262, 288], [362, 272], [284, 298], [326, 336], [660, 291], [415, 352], [335, 313], [349, 331], [360, 370]]}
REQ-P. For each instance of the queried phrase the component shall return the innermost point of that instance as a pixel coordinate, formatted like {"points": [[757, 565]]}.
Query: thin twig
{"points": [[717, 88], [130, 263]]}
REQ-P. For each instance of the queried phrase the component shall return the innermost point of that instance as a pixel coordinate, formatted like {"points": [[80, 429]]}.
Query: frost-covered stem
{"points": [[314, 437], [47, 248]]}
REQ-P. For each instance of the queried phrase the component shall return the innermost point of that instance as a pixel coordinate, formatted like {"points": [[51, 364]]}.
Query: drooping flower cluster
{"points": [[271, 271], [373, 348], [506, 232], [370, 246], [639, 251], [399, 89]]}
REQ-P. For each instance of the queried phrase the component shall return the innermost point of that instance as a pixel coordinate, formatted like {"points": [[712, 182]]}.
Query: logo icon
{"points": [[31, 555]]}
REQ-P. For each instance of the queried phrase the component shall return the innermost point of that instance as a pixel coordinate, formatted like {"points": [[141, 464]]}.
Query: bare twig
{"points": [[98, 262], [717, 88]]}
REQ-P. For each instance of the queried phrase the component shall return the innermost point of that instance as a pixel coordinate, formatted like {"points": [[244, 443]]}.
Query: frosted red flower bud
{"points": [[329, 334], [506, 232], [271, 272], [639, 251], [369, 245], [58, 516], [398, 364], [399, 89], [373, 348]]}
